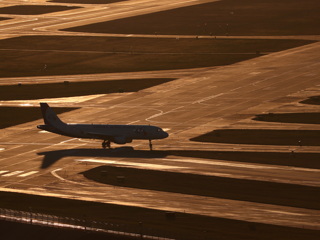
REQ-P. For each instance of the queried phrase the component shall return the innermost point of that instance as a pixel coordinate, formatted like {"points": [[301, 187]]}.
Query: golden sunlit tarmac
{"points": [[198, 102]]}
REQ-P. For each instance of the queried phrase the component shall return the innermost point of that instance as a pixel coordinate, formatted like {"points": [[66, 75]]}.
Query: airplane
{"points": [[119, 134]]}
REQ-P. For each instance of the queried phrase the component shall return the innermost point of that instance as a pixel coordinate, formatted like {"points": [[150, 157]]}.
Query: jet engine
{"points": [[122, 140]]}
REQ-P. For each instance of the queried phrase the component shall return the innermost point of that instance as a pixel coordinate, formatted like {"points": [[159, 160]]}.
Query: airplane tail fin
{"points": [[49, 116]]}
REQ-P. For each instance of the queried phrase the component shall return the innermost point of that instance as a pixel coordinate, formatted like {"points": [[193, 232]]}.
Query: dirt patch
{"points": [[48, 55], [71, 89], [11, 116], [87, 1], [262, 137], [34, 9], [308, 118], [185, 226], [227, 17], [226, 188]]}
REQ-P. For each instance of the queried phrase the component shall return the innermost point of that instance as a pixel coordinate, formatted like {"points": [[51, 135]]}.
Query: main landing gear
{"points": [[106, 143], [150, 144]]}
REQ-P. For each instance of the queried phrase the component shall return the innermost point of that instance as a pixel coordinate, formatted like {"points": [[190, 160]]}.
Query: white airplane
{"points": [[120, 134]]}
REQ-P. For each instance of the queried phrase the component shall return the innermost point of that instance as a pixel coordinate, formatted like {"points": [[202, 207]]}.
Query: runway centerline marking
{"points": [[28, 174], [12, 174]]}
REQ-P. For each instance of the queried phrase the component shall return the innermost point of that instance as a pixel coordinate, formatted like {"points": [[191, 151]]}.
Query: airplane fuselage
{"points": [[120, 134]]}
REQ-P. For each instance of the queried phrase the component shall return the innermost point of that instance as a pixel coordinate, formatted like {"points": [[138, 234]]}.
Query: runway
{"points": [[198, 102]]}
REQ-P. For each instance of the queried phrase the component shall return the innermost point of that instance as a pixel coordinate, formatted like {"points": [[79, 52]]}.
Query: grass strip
{"points": [[52, 55], [34, 9], [219, 187], [71, 89], [262, 137], [184, 226], [227, 17], [11, 116], [307, 118]]}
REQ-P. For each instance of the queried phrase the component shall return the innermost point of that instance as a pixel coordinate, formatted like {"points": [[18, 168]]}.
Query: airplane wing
{"points": [[119, 139], [100, 135]]}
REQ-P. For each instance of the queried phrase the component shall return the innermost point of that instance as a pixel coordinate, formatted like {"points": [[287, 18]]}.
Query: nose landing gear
{"points": [[106, 143]]}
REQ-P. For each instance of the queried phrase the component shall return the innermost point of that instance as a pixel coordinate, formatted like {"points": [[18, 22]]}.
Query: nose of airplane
{"points": [[165, 134]]}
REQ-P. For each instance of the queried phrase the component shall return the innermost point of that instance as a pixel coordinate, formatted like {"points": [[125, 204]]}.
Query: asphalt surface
{"points": [[194, 104]]}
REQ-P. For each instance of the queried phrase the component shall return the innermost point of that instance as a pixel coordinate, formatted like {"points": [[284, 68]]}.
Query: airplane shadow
{"points": [[296, 159], [204, 185], [51, 157]]}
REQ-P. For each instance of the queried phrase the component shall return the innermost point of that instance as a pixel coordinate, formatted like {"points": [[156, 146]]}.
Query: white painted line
{"points": [[207, 98], [2, 172], [220, 163], [66, 141], [1, 149], [134, 164], [161, 113], [12, 23], [54, 173], [130, 123], [25, 105], [28, 174], [12, 173]]}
